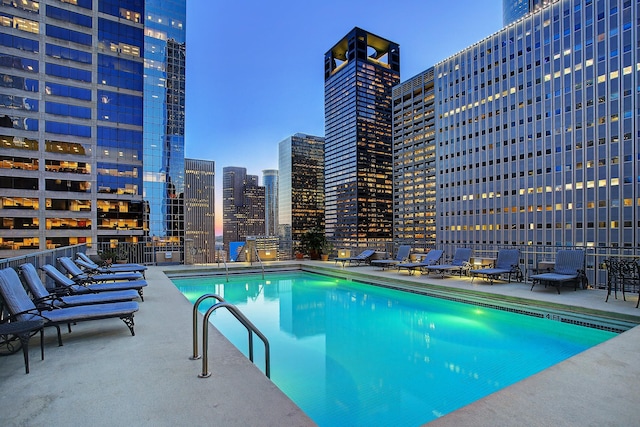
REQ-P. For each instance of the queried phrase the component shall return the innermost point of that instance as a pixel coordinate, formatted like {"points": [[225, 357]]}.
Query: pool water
{"points": [[351, 354]]}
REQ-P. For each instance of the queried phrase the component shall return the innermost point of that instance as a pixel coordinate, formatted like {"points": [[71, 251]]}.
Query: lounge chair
{"points": [[364, 256], [508, 262], [569, 267], [88, 264], [77, 274], [21, 307], [459, 263], [66, 286], [431, 258], [401, 256], [42, 298]]}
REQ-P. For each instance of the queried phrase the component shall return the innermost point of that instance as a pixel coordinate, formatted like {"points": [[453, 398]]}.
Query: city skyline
{"points": [[267, 83]]}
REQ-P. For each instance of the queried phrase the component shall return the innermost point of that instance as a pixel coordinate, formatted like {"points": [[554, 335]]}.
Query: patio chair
{"points": [[43, 299], [401, 256], [363, 256], [460, 263], [623, 274], [22, 308], [77, 274], [88, 264], [431, 258], [569, 267], [67, 286], [508, 262]]}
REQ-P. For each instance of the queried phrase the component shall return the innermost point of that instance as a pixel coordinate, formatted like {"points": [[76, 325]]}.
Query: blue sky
{"points": [[255, 67]]}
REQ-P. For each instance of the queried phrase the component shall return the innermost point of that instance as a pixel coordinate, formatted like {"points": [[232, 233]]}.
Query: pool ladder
{"points": [[251, 329]]}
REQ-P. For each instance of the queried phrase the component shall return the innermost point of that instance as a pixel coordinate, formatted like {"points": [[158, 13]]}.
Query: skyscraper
{"points": [[74, 118], [512, 10], [537, 131], [270, 182], [359, 72], [414, 162], [301, 188], [243, 204], [164, 119], [199, 212]]}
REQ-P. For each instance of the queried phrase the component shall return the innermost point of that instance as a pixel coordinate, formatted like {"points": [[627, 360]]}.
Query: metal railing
{"points": [[251, 329]]}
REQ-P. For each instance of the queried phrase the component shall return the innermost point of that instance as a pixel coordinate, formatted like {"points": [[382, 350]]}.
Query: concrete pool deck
{"points": [[103, 376]]}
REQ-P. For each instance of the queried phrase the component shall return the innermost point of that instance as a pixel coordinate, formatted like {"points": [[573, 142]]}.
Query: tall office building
{"points": [[512, 10], [80, 121], [270, 183], [359, 72], [414, 162], [199, 212], [301, 189], [72, 83], [164, 117], [243, 205], [537, 136]]}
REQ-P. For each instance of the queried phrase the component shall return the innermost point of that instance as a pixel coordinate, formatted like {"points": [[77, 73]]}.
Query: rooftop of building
{"points": [[103, 376]]}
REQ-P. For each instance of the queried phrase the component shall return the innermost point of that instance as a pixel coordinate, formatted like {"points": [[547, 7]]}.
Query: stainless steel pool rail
{"points": [[259, 260], [251, 329]]}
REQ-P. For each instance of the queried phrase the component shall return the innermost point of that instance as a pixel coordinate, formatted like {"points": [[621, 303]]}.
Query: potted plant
{"points": [[108, 256], [326, 250], [313, 241], [298, 251]]}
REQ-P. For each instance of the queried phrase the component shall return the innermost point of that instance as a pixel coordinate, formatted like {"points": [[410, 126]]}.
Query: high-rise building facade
{"points": [[199, 211], [243, 206], [301, 187], [359, 72], [538, 137], [270, 183], [512, 10], [414, 162], [73, 84], [164, 117]]}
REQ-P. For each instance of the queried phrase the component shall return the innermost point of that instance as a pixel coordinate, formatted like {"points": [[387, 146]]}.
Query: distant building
{"points": [[537, 132], [199, 202], [301, 188], [243, 206], [512, 10], [359, 72], [414, 162], [270, 183]]}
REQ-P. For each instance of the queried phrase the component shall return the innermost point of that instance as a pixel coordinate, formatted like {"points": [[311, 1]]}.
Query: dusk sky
{"points": [[255, 67]]}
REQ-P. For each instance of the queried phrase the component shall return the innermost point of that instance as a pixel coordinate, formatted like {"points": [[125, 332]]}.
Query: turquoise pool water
{"points": [[351, 354]]}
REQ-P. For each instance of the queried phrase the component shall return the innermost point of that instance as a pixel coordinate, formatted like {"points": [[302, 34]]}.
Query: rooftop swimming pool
{"points": [[353, 354]]}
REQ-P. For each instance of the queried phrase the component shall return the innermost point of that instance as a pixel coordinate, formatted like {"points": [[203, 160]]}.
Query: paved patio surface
{"points": [[103, 376]]}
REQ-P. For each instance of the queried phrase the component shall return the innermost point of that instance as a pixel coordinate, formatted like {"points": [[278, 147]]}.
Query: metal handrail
{"points": [[246, 323], [260, 261], [195, 355]]}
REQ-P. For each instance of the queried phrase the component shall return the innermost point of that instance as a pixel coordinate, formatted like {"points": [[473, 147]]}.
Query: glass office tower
{"points": [[301, 189], [512, 10], [164, 119], [270, 182], [71, 127], [538, 137], [359, 72]]}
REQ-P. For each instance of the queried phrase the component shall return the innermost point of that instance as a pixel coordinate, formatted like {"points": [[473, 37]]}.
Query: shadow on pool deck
{"points": [[103, 376]]}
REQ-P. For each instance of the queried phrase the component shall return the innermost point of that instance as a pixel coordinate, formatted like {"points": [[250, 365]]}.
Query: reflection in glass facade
{"points": [[270, 182], [414, 162], [537, 137], [301, 188], [512, 10], [199, 202], [359, 72], [73, 111], [243, 206], [164, 108]]}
